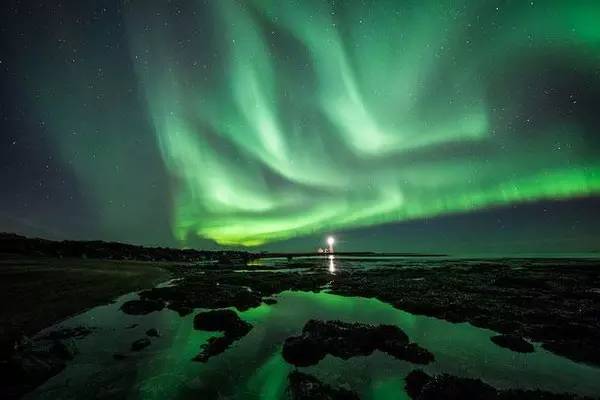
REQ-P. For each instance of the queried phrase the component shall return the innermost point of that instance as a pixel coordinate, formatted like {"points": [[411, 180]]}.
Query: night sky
{"points": [[446, 126]]}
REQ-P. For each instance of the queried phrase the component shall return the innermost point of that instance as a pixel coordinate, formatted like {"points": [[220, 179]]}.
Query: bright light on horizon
{"points": [[330, 240]]}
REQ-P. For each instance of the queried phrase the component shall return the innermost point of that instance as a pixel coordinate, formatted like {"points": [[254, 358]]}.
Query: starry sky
{"points": [[445, 126]]}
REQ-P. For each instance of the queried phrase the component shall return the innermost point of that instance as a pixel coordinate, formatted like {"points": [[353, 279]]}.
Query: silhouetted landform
{"points": [[346, 340], [513, 342], [307, 387], [226, 321], [421, 386], [97, 249]]}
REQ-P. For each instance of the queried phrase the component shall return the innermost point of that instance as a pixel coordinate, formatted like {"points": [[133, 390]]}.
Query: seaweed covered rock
{"points": [[420, 386], [345, 340], [513, 342], [140, 344], [226, 321], [307, 387], [141, 307]]}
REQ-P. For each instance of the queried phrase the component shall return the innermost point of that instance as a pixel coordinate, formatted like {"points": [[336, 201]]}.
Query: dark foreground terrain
{"points": [[552, 302]]}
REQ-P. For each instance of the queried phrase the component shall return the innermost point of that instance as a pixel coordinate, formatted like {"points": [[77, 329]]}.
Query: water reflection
{"points": [[253, 368], [331, 264]]}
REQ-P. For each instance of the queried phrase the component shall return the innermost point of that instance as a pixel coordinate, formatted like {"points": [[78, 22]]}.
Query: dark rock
{"points": [[420, 386], [226, 321], [153, 332], [33, 362], [64, 349], [141, 307], [140, 344], [222, 289], [307, 387], [549, 301], [119, 356], [269, 301], [68, 333], [415, 381], [214, 346], [221, 320], [132, 326], [449, 387], [345, 340], [536, 395], [513, 342]]}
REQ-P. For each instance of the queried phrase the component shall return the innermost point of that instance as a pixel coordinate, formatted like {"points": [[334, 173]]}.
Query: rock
{"points": [[132, 326], [548, 301], [513, 342], [269, 301], [226, 321], [141, 307], [64, 349], [345, 340], [33, 362], [153, 332], [415, 381], [140, 344], [222, 320], [119, 356], [222, 289], [214, 346], [307, 387], [68, 333], [420, 386]]}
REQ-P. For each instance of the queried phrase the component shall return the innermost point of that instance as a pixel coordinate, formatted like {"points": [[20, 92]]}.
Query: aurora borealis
{"points": [[252, 122]]}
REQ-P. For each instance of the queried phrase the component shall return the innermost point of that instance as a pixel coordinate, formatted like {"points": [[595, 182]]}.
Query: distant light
{"points": [[330, 240]]}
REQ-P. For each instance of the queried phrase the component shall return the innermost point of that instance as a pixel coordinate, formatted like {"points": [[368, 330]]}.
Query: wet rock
{"points": [[132, 326], [226, 321], [415, 381], [64, 349], [222, 289], [548, 301], [513, 342], [345, 340], [140, 344], [420, 386], [153, 332], [221, 320], [141, 307], [307, 387], [269, 301], [214, 346], [454, 388], [33, 362], [68, 333]]}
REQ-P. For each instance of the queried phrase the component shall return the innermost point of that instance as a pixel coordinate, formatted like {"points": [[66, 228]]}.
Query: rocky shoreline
{"points": [[525, 301]]}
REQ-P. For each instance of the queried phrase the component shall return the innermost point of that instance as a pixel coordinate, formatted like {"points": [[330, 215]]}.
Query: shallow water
{"points": [[253, 368]]}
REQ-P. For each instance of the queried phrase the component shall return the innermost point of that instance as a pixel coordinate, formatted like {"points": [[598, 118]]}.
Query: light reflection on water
{"points": [[253, 367]]}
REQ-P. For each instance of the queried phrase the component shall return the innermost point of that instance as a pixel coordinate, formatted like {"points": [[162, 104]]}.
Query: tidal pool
{"points": [[254, 369]]}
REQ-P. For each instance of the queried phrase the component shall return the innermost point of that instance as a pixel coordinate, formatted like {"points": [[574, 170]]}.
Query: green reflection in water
{"points": [[254, 369]]}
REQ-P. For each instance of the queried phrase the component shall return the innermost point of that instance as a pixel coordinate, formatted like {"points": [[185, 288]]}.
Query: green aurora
{"points": [[313, 116], [273, 123]]}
